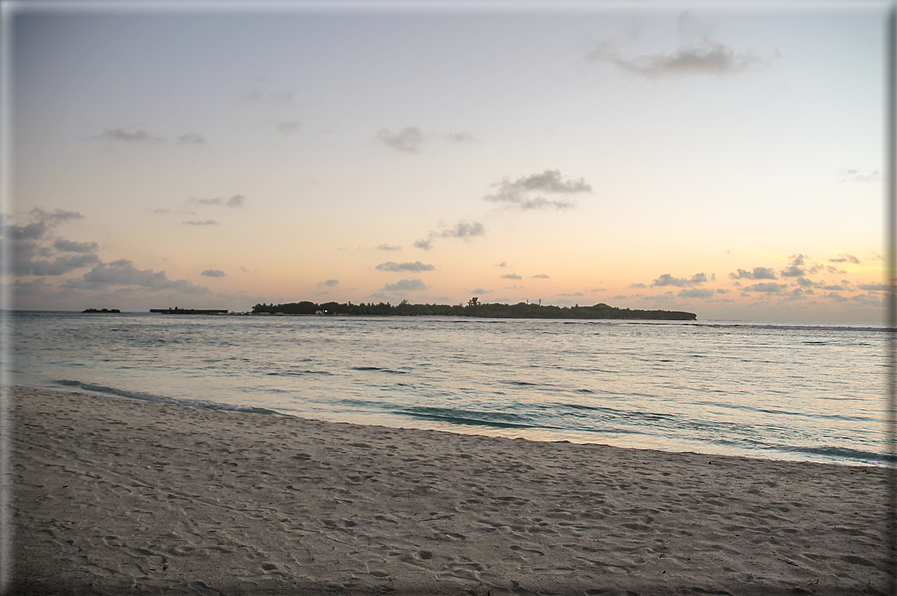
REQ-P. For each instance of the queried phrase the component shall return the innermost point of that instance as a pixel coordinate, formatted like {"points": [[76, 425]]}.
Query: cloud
{"points": [[329, 283], [704, 57], [518, 193], [696, 293], [119, 135], [57, 216], [43, 222], [463, 230], [668, 280], [123, 273], [405, 285], [191, 138], [70, 246], [212, 273], [37, 288], [409, 140], [636, 286], [511, 276], [502, 264], [32, 231], [845, 258], [288, 128], [423, 244], [32, 252], [480, 291], [768, 288], [757, 273], [540, 276], [141, 137], [267, 90], [800, 266], [234, 201], [417, 266], [461, 137], [855, 175], [879, 287], [208, 222], [58, 266], [389, 247]]}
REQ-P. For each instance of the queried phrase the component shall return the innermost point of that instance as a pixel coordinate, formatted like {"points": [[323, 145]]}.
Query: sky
{"points": [[725, 159]]}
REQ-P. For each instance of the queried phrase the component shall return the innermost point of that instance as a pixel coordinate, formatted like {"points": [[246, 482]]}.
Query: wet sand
{"points": [[125, 497]]}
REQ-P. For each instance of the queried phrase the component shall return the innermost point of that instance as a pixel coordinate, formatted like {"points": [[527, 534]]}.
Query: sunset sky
{"points": [[724, 159]]}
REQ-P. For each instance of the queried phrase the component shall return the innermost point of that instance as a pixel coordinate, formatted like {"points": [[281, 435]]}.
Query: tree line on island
{"points": [[474, 308]]}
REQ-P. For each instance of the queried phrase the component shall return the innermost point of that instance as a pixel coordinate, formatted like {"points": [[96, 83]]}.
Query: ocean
{"points": [[791, 391]]}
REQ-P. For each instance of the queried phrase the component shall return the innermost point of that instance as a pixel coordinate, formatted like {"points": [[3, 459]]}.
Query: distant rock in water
{"points": [[101, 310]]}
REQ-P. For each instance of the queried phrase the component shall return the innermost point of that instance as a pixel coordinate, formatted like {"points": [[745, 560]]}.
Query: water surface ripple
{"points": [[778, 390]]}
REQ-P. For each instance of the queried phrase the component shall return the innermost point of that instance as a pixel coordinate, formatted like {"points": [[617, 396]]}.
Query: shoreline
{"points": [[533, 434], [126, 496]]}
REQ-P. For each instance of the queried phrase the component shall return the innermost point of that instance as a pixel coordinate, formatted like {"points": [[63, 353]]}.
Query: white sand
{"points": [[119, 497]]}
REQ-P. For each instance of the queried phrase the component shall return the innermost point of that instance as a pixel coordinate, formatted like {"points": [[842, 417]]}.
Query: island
{"points": [[189, 311], [100, 310], [474, 308]]}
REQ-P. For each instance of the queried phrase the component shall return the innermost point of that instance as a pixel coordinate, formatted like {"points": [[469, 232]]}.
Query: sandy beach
{"points": [[125, 497]]}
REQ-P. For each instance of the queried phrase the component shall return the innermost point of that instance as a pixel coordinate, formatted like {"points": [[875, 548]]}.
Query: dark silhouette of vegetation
{"points": [[101, 310], [474, 308]]}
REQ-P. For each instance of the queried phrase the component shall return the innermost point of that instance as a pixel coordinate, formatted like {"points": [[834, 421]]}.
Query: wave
{"points": [[844, 453], [193, 403], [797, 327], [298, 373], [378, 369], [470, 417]]}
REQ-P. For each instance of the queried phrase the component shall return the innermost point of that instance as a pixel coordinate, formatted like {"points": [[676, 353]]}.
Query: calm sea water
{"points": [[812, 392]]}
